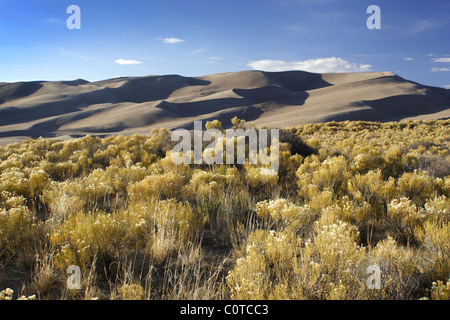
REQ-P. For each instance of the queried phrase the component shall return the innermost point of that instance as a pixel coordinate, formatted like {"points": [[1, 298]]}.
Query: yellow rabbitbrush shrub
{"points": [[158, 186], [434, 237], [366, 159], [349, 211], [110, 202], [267, 267], [331, 174], [16, 224], [331, 264], [370, 186], [260, 179], [403, 216], [439, 290], [417, 185], [400, 270], [83, 236], [277, 266], [15, 181], [287, 215], [206, 184]]}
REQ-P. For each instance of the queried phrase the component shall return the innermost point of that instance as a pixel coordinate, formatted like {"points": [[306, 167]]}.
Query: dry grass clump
{"points": [[350, 200]]}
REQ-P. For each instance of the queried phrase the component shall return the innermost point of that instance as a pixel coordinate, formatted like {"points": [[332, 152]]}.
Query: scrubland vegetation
{"points": [[347, 196]]}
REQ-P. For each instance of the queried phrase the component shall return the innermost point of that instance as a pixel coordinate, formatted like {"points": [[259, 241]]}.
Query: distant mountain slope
{"points": [[270, 99]]}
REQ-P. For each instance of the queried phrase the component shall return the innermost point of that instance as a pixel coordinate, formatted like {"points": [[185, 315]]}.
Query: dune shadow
{"points": [[137, 90], [273, 93], [12, 91], [410, 105], [299, 80], [197, 108]]}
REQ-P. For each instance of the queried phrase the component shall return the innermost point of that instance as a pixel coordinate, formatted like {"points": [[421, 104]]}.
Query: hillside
{"points": [[271, 99]]}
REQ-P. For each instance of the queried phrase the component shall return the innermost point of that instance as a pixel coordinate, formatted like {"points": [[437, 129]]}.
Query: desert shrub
{"points": [[12, 161], [326, 260], [345, 200], [206, 184], [401, 274], [434, 236], [283, 214], [350, 211], [84, 236], [438, 207], [91, 193], [121, 178], [446, 186], [332, 174], [393, 161], [288, 165], [276, 265], [440, 290], [158, 186], [417, 185], [265, 270], [260, 180], [437, 166], [39, 181], [371, 188], [367, 160], [403, 216], [16, 224], [215, 124], [98, 187], [15, 181], [63, 199], [133, 291]]}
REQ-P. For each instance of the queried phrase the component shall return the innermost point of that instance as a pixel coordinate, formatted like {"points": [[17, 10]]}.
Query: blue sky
{"points": [[200, 37]]}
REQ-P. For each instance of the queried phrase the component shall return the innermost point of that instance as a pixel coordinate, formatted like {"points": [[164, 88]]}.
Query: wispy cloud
{"points": [[424, 25], [440, 69], [323, 65], [171, 40], [200, 50], [215, 59], [75, 55], [440, 60], [55, 21], [127, 62], [295, 28], [444, 60], [409, 59]]}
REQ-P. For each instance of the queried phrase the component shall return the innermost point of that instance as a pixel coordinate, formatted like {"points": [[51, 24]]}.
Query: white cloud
{"points": [[424, 25], [55, 21], [215, 58], [127, 62], [171, 40], [440, 69], [323, 65], [409, 59], [296, 28], [200, 50], [445, 60], [447, 86]]}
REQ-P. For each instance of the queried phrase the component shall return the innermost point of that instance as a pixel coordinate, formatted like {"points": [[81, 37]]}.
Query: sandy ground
{"points": [[67, 109]]}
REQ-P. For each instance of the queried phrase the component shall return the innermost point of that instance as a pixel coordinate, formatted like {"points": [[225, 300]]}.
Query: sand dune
{"points": [[266, 99]]}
